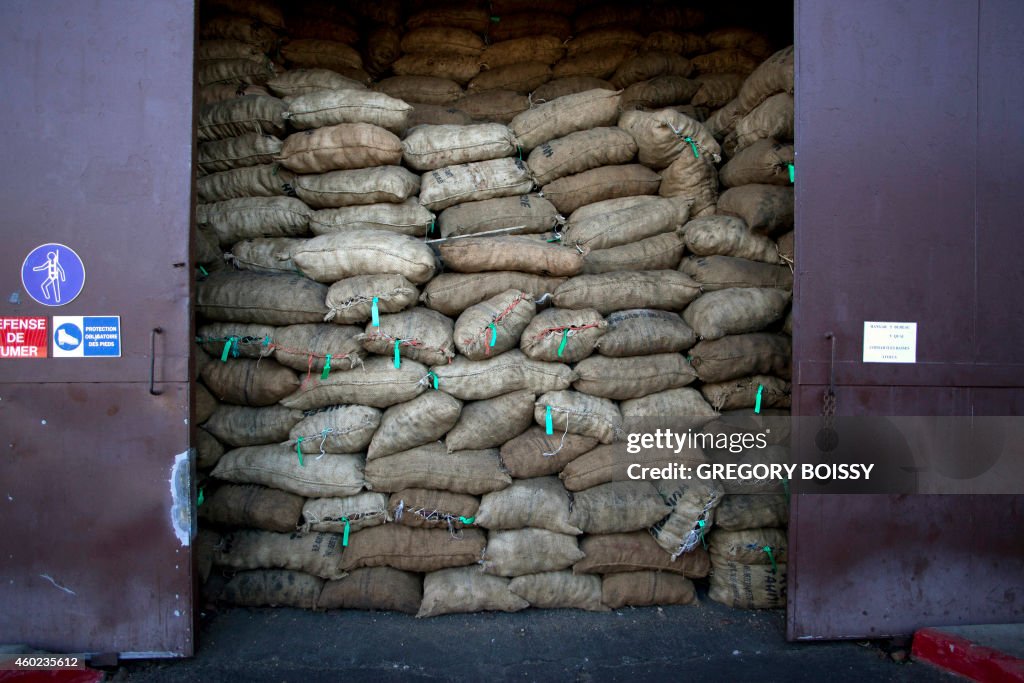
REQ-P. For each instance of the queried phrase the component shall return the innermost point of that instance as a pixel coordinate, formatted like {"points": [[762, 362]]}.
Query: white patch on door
{"points": [[181, 498]]}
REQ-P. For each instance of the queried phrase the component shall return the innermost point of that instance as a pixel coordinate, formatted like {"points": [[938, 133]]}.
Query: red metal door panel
{"points": [[905, 212], [95, 553]]}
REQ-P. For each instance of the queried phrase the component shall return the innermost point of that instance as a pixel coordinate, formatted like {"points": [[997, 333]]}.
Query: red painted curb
{"points": [[961, 656]]}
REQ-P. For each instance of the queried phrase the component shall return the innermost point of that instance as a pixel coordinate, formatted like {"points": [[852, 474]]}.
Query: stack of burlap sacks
{"points": [[380, 409]]}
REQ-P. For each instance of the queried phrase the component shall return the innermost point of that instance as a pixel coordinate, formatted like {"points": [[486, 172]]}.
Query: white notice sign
{"points": [[890, 342]]}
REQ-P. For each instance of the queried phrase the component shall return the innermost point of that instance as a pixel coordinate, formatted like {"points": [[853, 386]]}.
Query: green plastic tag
{"points": [[757, 401], [298, 449], [200, 499], [467, 520], [693, 146], [792, 173], [266, 340], [701, 523], [203, 270], [565, 338], [768, 549], [374, 314], [494, 334], [495, 19], [434, 375], [549, 427], [398, 356], [327, 367], [344, 534], [227, 348]]}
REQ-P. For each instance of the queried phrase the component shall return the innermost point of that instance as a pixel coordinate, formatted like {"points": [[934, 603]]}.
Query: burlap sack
{"points": [[764, 208], [535, 453], [617, 507], [474, 181], [717, 90], [340, 147], [353, 299], [432, 467], [453, 293], [640, 589], [338, 429], [425, 89], [204, 402], [607, 182], [321, 54], [641, 332], [752, 511], [660, 252], [244, 426], [578, 413], [774, 75], [580, 151], [425, 508], [249, 114], [247, 340], [522, 78], [407, 218], [740, 355], [510, 253], [455, 67], [333, 25], [636, 551], [264, 180], [748, 546], [773, 119], [661, 136], [431, 147], [585, 41], [279, 467], [694, 179], [609, 292], [693, 514], [467, 589], [203, 547], [564, 115], [361, 186], [360, 511], [545, 49], [685, 406], [244, 71], [419, 334], [730, 60], [296, 82], [648, 64], [471, 18], [568, 85], [336, 256], [736, 310], [756, 43], [529, 551], [670, 41], [317, 554], [383, 47], [623, 221], [377, 383], [455, 41], [724, 272], [306, 348], [747, 392], [611, 462], [541, 503], [765, 161], [493, 326], [273, 588], [207, 250], [599, 63], [330, 107], [250, 149], [527, 213], [658, 92], [251, 217], [256, 507], [492, 422], [633, 377], [562, 335], [747, 586], [265, 254], [497, 106], [728, 236], [374, 588], [208, 449], [414, 550], [723, 121], [523, 18], [787, 248], [437, 115], [241, 28], [560, 590], [414, 423], [247, 382], [511, 371]]}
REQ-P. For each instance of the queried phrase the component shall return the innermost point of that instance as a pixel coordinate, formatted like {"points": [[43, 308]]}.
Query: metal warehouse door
{"points": [[910, 162], [94, 479]]}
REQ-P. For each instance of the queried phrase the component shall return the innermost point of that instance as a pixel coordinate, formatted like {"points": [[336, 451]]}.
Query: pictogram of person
{"points": [[54, 275]]}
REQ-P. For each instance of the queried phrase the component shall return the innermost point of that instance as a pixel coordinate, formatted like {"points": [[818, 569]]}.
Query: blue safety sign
{"points": [[53, 274], [86, 336]]}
